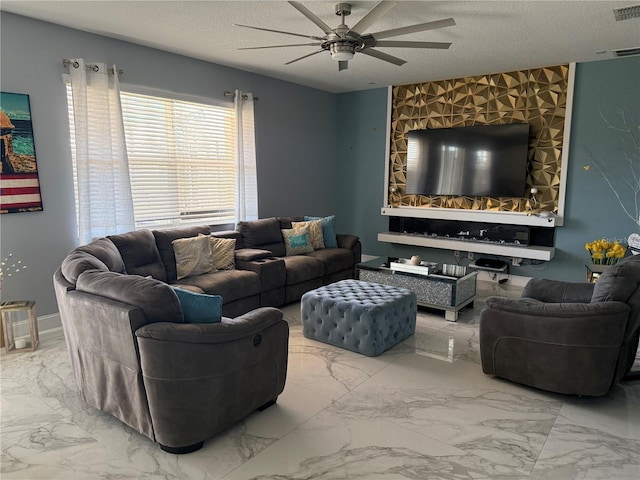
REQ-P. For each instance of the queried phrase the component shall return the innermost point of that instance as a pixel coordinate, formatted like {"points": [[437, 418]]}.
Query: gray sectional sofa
{"points": [[134, 356], [263, 276]]}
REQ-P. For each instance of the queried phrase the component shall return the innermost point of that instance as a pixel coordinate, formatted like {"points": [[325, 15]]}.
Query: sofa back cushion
{"points": [[100, 254], [140, 254], [164, 242], [619, 283], [155, 298], [262, 234], [287, 222]]}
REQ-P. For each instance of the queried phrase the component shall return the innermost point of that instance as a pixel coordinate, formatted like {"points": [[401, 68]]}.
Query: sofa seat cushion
{"points": [[301, 268], [264, 233], [140, 254], [164, 241], [334, 259], [231, 285]]}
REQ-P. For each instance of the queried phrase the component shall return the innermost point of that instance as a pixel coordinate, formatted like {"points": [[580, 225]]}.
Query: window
{"points": [[181, 160]]}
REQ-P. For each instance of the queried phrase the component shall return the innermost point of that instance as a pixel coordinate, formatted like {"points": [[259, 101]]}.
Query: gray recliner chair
{"points": [[572, 338]]}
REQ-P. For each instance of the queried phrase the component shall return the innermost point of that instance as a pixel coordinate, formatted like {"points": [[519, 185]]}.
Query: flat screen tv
{"points": [[485, 160]]}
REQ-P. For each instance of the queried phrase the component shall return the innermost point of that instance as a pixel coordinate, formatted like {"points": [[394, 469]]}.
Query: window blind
{"points": [[181, 160]]}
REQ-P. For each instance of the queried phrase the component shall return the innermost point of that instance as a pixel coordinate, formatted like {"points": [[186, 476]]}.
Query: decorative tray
{"points": [[405, 265]]}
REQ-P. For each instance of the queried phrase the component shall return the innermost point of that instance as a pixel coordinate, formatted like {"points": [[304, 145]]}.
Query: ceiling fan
{"points": [[343, 42]]}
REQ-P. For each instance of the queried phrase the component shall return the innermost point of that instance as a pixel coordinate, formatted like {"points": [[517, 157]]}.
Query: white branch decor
{"points": [[8, 269], [621, 168]]}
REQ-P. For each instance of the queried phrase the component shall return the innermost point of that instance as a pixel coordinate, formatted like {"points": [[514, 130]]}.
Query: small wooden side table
{"points": [[11, 313]]}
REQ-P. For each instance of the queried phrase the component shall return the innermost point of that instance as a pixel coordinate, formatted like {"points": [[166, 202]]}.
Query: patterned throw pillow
{"points": [[328, 230], [193, 256], [223, 251], [315, 229], [297, 241]]}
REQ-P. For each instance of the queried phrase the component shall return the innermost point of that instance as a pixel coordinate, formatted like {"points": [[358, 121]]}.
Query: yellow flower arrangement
{"points": [[604, 252]]}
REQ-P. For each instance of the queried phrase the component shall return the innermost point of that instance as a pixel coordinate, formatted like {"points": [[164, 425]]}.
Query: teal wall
{"points": [[592, 210], [361, 139]]}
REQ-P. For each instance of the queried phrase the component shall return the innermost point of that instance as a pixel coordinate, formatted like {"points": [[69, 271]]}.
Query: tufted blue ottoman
{"points": [[365, 317]]}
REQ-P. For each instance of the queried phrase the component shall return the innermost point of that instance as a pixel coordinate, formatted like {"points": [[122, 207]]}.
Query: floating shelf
{"points": [[532, 252], [510, 218]]}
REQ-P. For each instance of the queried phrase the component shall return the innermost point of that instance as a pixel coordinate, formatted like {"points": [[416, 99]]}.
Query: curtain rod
{"points": [[70, 63], [228, 93]]}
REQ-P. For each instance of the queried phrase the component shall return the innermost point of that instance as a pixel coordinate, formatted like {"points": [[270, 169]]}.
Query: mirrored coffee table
{"points": [[443, 292]]}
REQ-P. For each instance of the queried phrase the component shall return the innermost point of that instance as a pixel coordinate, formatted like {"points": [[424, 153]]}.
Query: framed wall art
{"points": [[19, 184]]}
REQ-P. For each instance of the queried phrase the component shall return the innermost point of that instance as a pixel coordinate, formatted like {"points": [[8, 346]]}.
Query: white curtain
{"points": [[246, 173], [105, 205]]}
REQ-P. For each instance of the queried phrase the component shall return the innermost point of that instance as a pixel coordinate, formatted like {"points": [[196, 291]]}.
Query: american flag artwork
{"points": [[19, 184]]}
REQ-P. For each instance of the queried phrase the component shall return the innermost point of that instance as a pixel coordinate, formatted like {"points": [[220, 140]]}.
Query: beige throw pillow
{"points": [[315, 231], [193, 256], [223, 251]]}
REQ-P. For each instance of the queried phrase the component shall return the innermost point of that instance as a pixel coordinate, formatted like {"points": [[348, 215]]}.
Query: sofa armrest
{"points": [[248, 254], [272, 271], [346, 240], [554, 291], [228, 330], [561, 347], [200, 379]]}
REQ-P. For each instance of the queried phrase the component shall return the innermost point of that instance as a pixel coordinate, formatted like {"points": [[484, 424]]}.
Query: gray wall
{"points": [[592, 209], [295, 137]]}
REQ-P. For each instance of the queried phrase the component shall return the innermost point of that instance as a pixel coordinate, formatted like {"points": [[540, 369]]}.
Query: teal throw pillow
{"points": [[199, 307], [297, 241], [328, 230]]}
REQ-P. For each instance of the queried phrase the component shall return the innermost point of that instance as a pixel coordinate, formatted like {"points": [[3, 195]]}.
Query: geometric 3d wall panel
{"points": [[537, 96]]}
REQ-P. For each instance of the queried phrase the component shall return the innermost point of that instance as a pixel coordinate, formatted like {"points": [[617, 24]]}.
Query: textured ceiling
{"points": [[490, 36]]}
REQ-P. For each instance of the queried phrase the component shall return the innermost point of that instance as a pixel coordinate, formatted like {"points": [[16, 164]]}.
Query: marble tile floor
{"points": [[422, 410]]}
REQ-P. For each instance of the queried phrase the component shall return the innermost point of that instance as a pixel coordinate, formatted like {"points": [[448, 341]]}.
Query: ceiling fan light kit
{"points": [[342, 51], [343, 42]]}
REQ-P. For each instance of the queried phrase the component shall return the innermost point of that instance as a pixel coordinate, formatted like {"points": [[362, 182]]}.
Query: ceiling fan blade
{"points": [[383, 56], [280, 46], [278, 31], [301, 58], [311, 16], [421, 27], [343, 65], [391, 43], [375, 14]]}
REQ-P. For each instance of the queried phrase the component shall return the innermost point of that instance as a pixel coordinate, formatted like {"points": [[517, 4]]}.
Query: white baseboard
{"points": [[45, 322]]}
